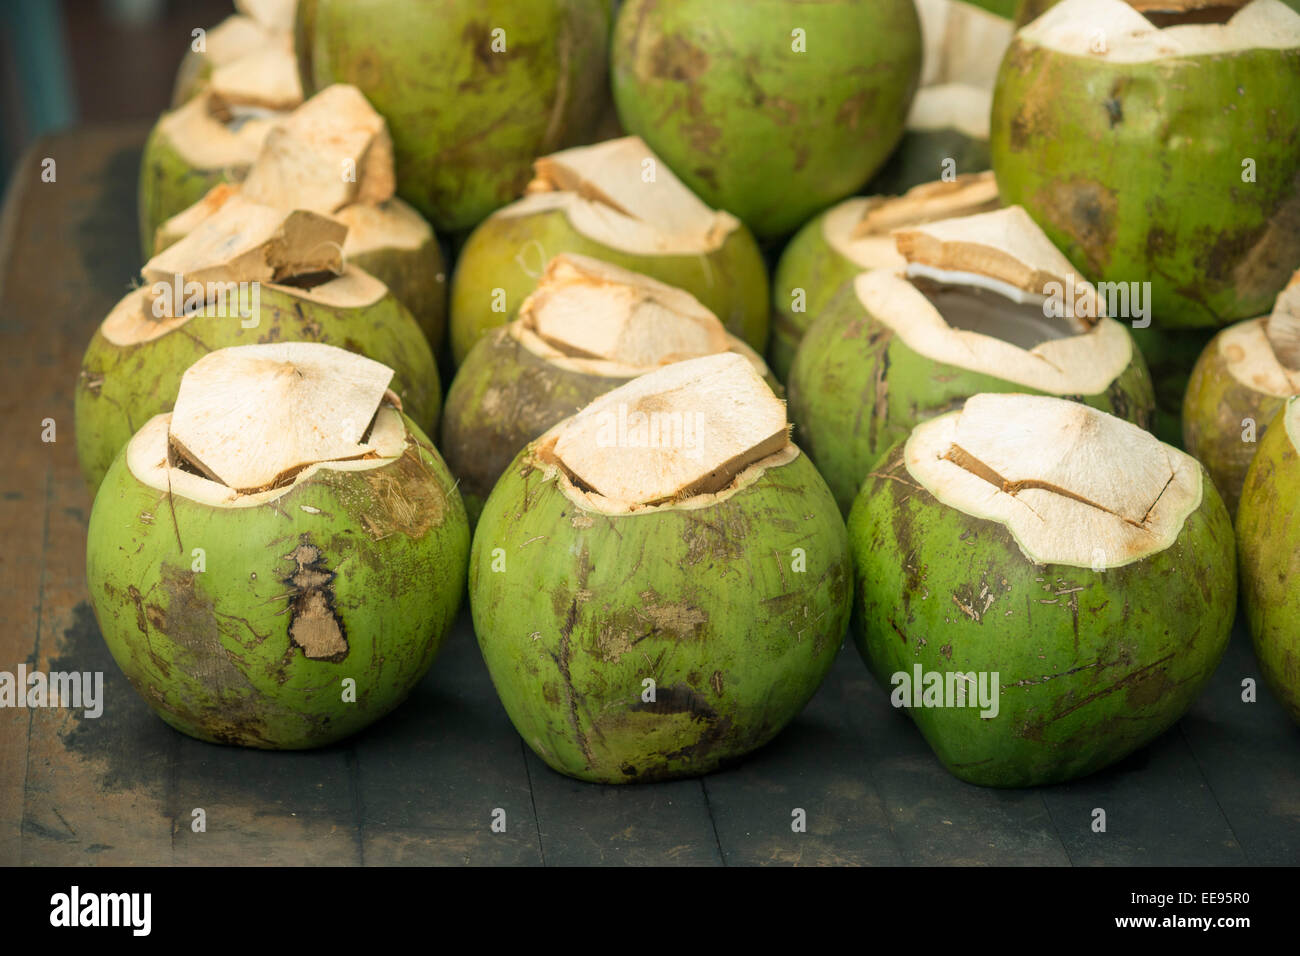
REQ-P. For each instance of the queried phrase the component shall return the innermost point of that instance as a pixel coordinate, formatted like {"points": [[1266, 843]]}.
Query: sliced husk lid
{"points": [[689, 429], [247, 242], [201, 133], [253, 416], [615, 319], [620, 194], [956, 106], [1253, 357], [1074, 27], [860, 229], [963, 44], [235, 37], [276, 15], [264, 78], [392, 224], [332, 151], [1072, 484]]}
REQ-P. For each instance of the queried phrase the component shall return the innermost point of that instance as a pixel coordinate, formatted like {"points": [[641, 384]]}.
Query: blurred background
{"points": [[73, 61]]}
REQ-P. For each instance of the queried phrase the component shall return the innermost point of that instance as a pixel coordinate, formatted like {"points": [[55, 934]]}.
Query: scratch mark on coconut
{"points": [[314, 625], [570, 692], [1139, 675]]}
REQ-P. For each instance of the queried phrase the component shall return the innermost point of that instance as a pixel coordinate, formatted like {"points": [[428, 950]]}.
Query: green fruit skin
{"points": [[1268, 543], [304, 38], [1213, 411], [769, 134], [1171, 354], [503, 397], [1135, 172], [1091, 665], [169, 185], [856, 388], [510, 252], [418, 278], [121, 388], [468, 122], [211, 651], [590, 605], [811, 265]]}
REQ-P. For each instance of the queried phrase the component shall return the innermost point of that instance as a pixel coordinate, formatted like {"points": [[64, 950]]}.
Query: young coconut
{"points": [[299, 168], [1268, 541], [947, 128], [1139, 161], [638, 578], [214, 137], [771, 109], [617, 202], [977, 308], [234, 38], [587, 328], [473, 93], [853, 237], [249, 274], [1067, 579], [284, 531], [1241, 381]]}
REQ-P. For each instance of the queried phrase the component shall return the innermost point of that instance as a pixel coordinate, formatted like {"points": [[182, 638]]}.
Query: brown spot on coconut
{"points": [[618, 202], [854, 236], [263, 448], [984, 303], [588, 327]]}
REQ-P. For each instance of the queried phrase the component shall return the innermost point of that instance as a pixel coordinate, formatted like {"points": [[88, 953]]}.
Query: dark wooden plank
{"points": [[818, 765], [436, 770], [1250, 754]]}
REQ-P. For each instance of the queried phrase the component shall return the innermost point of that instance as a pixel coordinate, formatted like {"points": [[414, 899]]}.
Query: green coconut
{"points": [[851, 238], [1240, 383], [276, 563], [1074, 576], [473, 90], [214, 137], [1268, 542], [770, 109], [587, 328], [280, 284], [637, 578], [972, 311], [615, 202], [947, 129], [1172, 158], [298, 167]]}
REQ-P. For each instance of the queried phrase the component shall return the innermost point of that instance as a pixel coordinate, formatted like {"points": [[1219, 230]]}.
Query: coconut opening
{"points": [[985, 308], [1072, 484], [606, 317], [859, 229], [1164, 29], [620, 194], [245, 242], [253, 418], [688, 431], [332, 151]]}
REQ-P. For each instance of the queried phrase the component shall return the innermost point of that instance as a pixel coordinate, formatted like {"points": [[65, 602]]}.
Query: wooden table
{"points": [[422, 786]]}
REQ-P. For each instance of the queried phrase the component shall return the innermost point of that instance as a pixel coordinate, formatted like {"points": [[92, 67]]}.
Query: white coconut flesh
{"points": [[1171, 29], [1264, 354], [257, 419], [860, 229], [387, 225], [621, 195], [974, 294], [687, 435], [592, 317], [954, 106], [247, 242], [273, 15], [237, 36], [962, 43], [207, 135], [1073, 485], [265, 78], [332, 151]]}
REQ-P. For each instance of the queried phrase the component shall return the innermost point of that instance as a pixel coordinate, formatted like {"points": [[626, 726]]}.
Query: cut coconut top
{"points": [[692, 430], [276, 15], [204, 136], [1116, 32], [387, 225], [963, 44], [1264, 354], [614, 322], [860, 229], [186, 221], [621, 195], [952, 106], [332, 151], [238, 35], [1073, 485], [246, 242], [265, 78], [253, 416]]}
